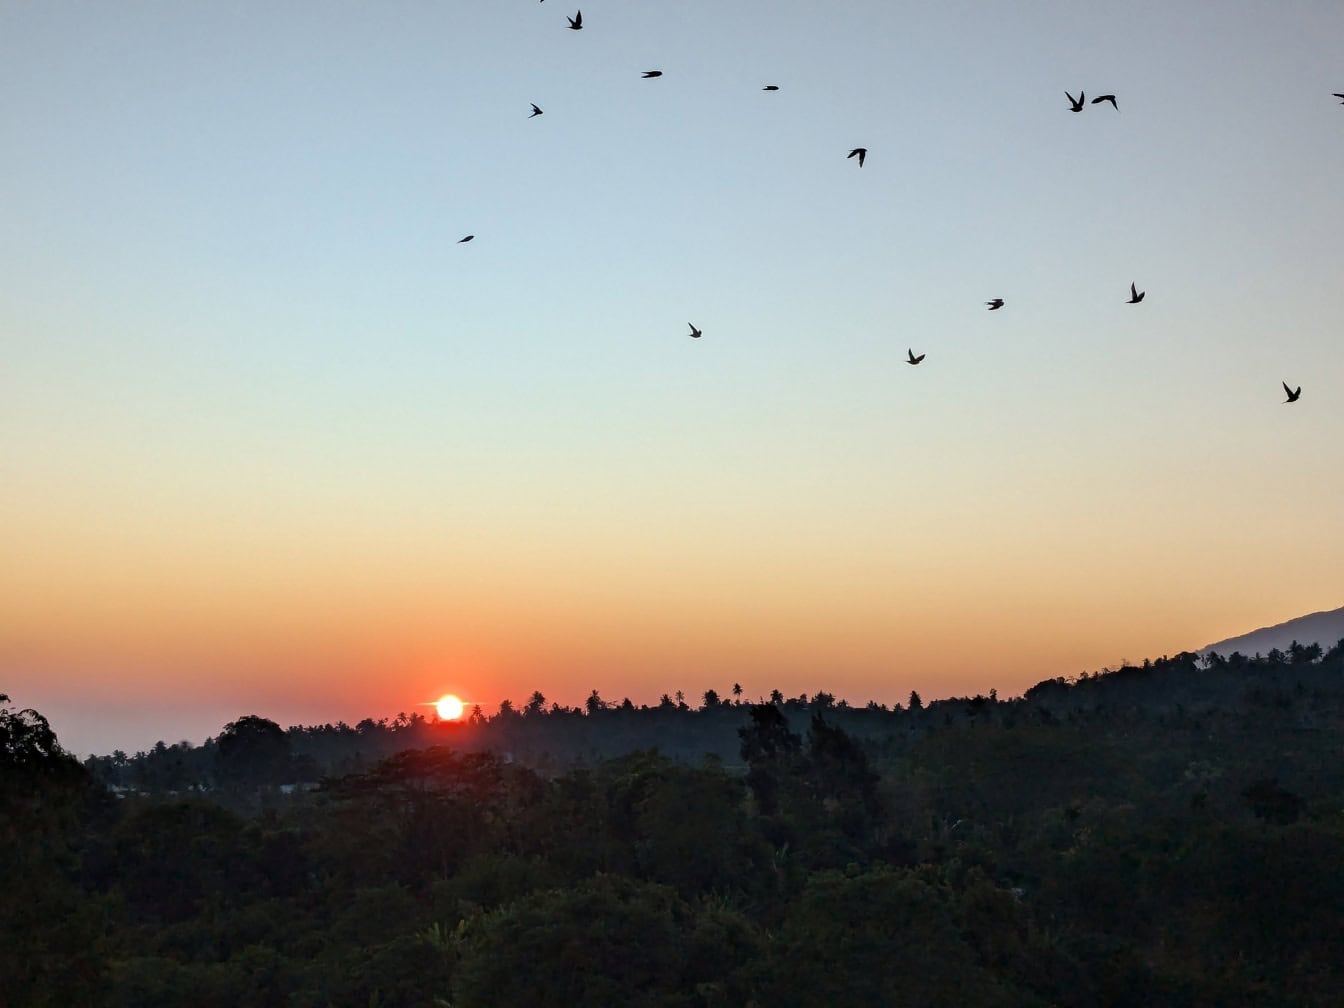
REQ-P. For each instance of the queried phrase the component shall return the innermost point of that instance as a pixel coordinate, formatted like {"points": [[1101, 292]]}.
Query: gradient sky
{"points": [[272, 441]]}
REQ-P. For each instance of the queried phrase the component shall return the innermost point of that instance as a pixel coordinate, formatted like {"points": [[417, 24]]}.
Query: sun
{"points": [[449, 707]]}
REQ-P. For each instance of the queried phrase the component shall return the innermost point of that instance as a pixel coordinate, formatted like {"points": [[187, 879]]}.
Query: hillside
{"points": [[1323, 628]]}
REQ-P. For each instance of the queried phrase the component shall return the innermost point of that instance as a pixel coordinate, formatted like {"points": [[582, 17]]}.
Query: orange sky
{"points": [[272, 441]]}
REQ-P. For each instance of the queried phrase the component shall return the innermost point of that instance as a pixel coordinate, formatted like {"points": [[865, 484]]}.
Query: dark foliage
{"points": [[1161, 834]]}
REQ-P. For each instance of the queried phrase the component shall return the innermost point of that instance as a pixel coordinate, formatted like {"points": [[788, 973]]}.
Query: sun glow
{"points": [[449, 707]]}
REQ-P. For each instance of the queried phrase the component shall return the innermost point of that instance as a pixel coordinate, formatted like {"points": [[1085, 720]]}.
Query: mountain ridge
{"points": [[1325, 628]]}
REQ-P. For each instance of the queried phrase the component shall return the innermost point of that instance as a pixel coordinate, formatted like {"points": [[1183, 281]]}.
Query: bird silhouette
{"points": [[1106, 97], [862, 153], [653, 73], [995, 305], [575, 22], [770, 87], [913, 359], [695, 333], [1293, 394], [1135, 295], [535, 111], [1077, 102], [466, 239]]}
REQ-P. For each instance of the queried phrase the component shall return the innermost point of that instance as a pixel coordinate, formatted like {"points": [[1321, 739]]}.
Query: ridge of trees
{"points": [[551, 737], [1166, 833]]}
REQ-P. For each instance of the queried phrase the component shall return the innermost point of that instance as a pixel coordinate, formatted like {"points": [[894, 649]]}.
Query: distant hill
{"points": [[1323, 628]]}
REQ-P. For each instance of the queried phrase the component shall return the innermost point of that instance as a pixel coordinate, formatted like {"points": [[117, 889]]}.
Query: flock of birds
{"points": [[1075, 105]]}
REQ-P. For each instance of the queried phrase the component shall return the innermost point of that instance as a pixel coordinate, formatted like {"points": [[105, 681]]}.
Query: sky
{"points": [[273, 441]]}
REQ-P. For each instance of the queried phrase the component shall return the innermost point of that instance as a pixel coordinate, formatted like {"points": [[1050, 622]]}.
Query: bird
{"points": [[1106, 97], [1077, 102], [535, 111], [575, 22], [995, 305], [466, 239], [1293, 394], [695, 333], [1135, 295], [1340, 97], [862, 153], [913, 359], [770, 87], [653, 73]]}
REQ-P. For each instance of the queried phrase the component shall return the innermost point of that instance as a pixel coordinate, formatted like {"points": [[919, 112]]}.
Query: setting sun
{"points": [[449, 707]]}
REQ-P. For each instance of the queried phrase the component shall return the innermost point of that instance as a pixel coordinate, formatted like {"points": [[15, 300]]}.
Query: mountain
{"points": [[1323, 628]]}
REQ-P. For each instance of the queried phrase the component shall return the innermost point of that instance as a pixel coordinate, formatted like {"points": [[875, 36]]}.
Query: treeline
{"points": [[1167, 833], [1296, 685]]}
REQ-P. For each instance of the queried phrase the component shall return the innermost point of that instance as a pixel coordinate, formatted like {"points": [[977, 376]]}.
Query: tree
{"points": [[607, 941], [33, 766], [51, 953], [841, 774], [737, 692], [770, 751], [878, 924], [252, 752], [915, 702], [595, 703], [711, 699], [1273, 803]]}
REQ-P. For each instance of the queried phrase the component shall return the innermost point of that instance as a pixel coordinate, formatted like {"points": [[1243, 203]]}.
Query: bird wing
{"points": [[1133, 291]]}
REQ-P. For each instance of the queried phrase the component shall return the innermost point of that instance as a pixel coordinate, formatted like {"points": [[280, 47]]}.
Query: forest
{"points": [[1162, 834]]}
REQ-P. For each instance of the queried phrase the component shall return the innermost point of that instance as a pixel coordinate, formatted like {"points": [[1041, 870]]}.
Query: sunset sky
{"points": [[272, 441]]}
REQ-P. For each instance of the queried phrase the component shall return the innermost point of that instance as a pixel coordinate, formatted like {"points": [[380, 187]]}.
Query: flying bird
{"points": [[1077, 102], [862, 153], [913, 359], [652, 73], [1293, 394], [575, 22], [995, 305], [535, 111], [695, 333], [1135, 295], [466, 239], [1106, 97], [770, 87]]}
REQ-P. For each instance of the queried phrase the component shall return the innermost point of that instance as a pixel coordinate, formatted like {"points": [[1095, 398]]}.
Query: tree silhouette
{"points": [[252, 752]]}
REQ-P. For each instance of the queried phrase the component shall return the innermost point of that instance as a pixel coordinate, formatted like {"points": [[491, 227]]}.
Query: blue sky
{"points": [[255, 387]]}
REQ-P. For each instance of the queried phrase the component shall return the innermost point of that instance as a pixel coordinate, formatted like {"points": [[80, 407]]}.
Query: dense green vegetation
{"points": [[1168, 834]]}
